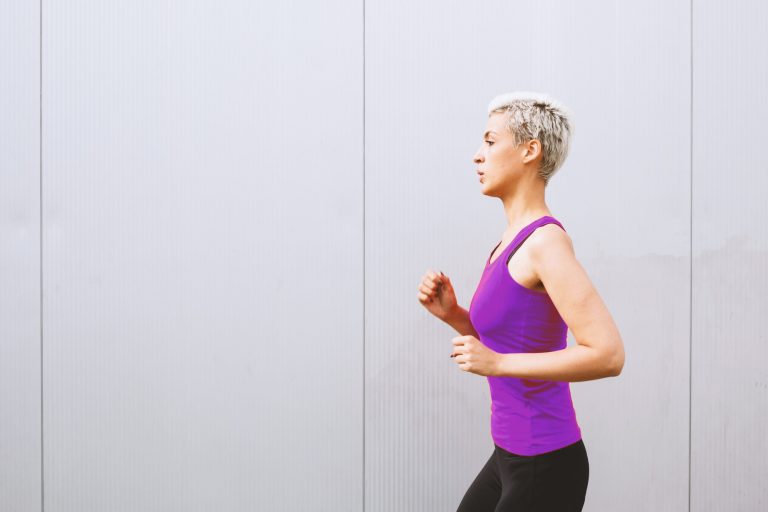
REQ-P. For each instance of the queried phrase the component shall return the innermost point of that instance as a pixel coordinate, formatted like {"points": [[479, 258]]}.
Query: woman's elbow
{"points": [[617, 361]]}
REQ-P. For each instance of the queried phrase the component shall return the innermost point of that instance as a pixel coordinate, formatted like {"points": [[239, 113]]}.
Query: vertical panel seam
{"points": [[690, 263], [363, 191], [40, 199]]}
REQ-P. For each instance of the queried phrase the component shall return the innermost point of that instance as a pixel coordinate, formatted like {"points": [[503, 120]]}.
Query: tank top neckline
{"points": [[511, 244]]}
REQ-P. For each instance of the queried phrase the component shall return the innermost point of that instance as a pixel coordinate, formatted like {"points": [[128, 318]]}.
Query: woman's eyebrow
{"points": [[488, 133]]}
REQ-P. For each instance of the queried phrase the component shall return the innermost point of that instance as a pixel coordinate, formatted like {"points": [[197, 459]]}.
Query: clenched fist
{"points": [[436, 294]]}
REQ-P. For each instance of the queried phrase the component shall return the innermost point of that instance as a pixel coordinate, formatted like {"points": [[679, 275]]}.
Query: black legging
{"points": [[555, 481]]}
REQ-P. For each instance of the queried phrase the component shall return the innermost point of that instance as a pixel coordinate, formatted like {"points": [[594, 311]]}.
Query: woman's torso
{"points": [[512, 313]]}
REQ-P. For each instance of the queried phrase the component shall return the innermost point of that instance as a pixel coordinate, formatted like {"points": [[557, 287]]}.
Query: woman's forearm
{"points": [[575, 363], [459, 320]]}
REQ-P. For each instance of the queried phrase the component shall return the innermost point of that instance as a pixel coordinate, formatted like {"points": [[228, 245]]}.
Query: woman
{"points": [[515, 330]]}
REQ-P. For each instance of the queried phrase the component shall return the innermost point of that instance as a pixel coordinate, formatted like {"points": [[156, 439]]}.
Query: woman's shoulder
{"points": [[549, 232], [551, 240]]}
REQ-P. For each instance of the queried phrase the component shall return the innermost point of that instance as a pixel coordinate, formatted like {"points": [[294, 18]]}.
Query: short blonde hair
{"points": [[534, 115]]}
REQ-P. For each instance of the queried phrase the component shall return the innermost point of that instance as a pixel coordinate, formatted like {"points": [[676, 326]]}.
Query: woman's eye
{"points": [[489, 142]]}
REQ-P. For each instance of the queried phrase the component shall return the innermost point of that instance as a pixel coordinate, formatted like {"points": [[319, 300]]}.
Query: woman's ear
{"points": [[532, 150]]}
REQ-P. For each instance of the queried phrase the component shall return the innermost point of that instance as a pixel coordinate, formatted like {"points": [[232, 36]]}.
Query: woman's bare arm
{"points": [[599, 351]]}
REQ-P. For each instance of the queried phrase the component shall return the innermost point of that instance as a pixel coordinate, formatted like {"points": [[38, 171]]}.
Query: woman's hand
{"points": [[436, 294], [473, 356]]}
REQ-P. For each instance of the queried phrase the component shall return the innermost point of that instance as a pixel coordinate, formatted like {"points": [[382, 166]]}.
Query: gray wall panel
{"points": [[623, 195], [729, 453], [20, 443], [203, 256]]}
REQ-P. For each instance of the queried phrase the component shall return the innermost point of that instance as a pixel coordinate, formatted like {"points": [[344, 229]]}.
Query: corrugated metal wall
{"points": [[729, 286], [214, 217]]}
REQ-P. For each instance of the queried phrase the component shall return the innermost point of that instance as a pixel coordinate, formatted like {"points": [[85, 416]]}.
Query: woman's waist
{"points": [[529, 394]]}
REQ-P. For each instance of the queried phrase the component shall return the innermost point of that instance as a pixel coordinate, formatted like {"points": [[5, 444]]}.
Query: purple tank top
{"points": [[528, 417]]}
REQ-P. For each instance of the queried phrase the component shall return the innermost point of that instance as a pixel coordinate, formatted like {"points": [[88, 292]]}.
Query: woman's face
{"points": [[499, 163]]}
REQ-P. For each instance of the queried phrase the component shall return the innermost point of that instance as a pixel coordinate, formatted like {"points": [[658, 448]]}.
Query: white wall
{"points": [[20, 313], [229, 206], [729, 353]]}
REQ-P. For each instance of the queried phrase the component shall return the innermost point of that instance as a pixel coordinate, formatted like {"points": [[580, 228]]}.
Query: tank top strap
{"points": [[525, 233]]}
